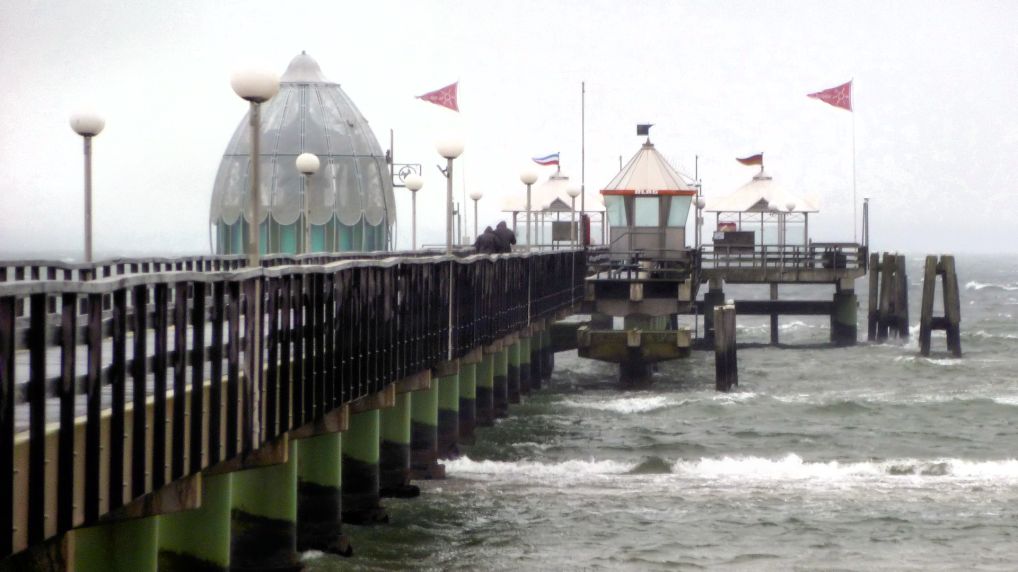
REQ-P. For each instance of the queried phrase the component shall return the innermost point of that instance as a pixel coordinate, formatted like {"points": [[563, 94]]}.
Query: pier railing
{"points": [[111, 388], [814, 256]]}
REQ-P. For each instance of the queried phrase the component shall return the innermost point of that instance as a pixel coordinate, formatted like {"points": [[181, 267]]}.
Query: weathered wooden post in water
{"points": [[726, 369], [888, 305], [949, 322]]}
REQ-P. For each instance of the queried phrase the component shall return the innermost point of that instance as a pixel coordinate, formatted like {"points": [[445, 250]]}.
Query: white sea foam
{"points": [[792, 467], [987, 335], [973, 285], [571, 470], [943, 362], [748, 470], [626, 404]]}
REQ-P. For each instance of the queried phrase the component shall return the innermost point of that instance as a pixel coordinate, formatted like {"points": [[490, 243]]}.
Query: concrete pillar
{"points": [[500, 383], [424, 434], [844, 327], [547, 354], [199, 539], [635, 372], [485, 391], [774, 315], [714, 297], [536, 363], [468, 402], [394, 451], [128, 545], [320, 494], [360, 470], [513, 371], [526, 367], [448, 416], [263, 519]]}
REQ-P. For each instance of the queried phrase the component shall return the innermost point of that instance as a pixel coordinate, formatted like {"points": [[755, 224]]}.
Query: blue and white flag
{"points": [[547, 160]]}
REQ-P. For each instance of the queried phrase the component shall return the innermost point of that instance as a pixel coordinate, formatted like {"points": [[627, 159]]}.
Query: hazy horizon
{"points": [[935, 126]]}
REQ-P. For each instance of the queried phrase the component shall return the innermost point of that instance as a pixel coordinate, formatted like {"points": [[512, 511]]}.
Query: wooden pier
{"points": [[132, 391]]}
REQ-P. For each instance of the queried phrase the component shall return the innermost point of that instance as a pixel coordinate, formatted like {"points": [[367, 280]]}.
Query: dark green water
{"points": [[867, 458]]}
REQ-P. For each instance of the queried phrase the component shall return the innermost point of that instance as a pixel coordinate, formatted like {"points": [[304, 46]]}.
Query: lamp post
{"points": [[449, 148], [475, 196], [256, 87], [413, 184], [88, 125], [700, 203], [789, 207], [528, 177], [573, 192], [307, 164]]}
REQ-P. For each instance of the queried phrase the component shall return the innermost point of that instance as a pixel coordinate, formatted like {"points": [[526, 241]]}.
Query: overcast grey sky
{"points": [[935, 92]]}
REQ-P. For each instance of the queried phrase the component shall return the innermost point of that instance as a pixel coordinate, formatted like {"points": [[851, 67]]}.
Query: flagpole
{"points": [[583, 147], [855, 212]]}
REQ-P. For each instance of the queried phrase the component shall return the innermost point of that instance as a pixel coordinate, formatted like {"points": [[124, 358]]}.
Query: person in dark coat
{"points": [[506, 236], [488, 242]]}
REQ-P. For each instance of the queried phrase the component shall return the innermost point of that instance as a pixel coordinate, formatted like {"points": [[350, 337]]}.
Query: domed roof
{"points": [[648, 171], [760, 194], [314, 115]]}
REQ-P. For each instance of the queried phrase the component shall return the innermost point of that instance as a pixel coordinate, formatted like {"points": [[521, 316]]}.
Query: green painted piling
{"points": [[360, 470], [536, 363], [199, 539], [513, 373], [448, 416], [844, 318], [485, 405], [467, 402], [547, 355], [424, 434], [526, 364], [263, 518], [128, 545], [394, 451], [500, 383], [320, 494]]}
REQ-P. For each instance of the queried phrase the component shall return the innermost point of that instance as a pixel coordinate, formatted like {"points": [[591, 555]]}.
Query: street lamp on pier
{"points": [[307, 164], [88, 125], [475, 196], [413, 184], [573, 192], [450, 148], [528, 177], [256, 87], [700, 203]]}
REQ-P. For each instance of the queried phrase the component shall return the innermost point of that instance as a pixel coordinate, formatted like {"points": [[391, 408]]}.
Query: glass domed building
{"points": [[350, 202]]}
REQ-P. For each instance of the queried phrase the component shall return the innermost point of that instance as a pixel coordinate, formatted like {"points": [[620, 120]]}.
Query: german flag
{"points": [[752, 159]]}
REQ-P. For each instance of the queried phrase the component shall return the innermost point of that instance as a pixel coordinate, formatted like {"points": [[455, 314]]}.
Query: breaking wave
{"points": [[973, 285], [626, 404]]}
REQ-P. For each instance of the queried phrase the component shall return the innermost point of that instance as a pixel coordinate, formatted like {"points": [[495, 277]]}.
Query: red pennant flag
{"points": [[446, 97], [840, 96], [751, 160]]}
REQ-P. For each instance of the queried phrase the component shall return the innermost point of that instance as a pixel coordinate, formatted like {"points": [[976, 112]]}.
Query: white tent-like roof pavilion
{"points": [[759, 205]]}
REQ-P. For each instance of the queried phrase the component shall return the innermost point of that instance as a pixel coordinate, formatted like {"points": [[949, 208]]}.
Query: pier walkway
{"points": [[85, 348]]}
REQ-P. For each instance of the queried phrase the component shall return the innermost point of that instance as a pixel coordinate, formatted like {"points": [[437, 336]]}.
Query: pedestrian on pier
{"points": [[488, 242], [506, 236]]}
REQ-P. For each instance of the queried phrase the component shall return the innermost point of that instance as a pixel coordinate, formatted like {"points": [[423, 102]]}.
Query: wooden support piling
{"points": [[944, 269], [726, 372], [874, 292]]}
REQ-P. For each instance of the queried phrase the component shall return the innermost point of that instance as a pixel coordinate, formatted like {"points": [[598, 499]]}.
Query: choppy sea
{"points": [[863, 458]]}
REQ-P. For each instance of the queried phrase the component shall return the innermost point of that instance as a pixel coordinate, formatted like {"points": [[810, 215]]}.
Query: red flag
{"points": [[752, 159], [840, 96], [446, 97]]}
